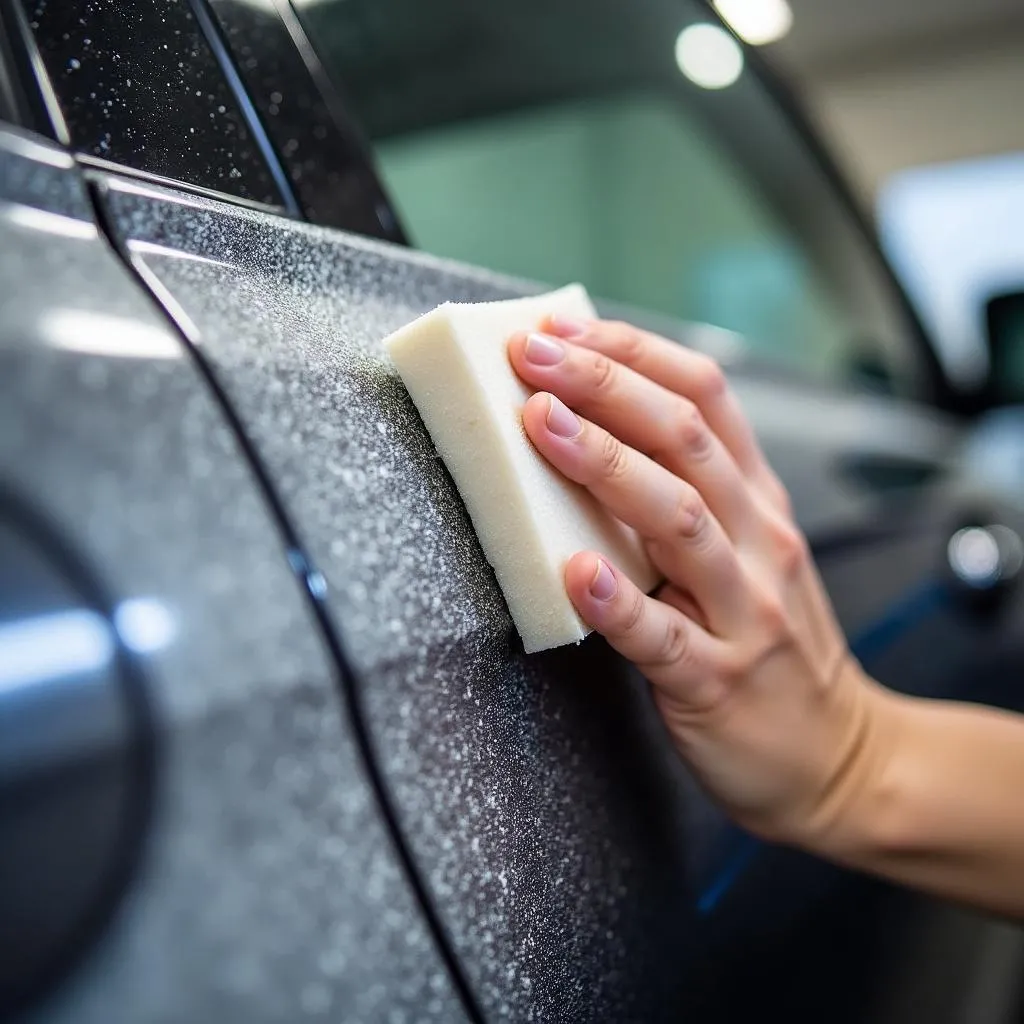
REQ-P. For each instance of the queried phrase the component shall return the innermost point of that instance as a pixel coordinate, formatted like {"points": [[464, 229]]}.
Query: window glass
{"points": [[326, 160], [532, 139], [138, 84], [560, 194]]}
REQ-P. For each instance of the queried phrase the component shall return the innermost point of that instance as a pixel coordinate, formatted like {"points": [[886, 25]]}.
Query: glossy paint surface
{"points": [[267, 888]]}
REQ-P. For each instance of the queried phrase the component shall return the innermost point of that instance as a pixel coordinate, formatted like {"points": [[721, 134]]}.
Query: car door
{"points": [[190, 827], [187, 817], [570, 866]]}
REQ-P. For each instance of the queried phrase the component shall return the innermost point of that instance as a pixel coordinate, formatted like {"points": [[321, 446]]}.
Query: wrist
{"points": [[859, 811]]}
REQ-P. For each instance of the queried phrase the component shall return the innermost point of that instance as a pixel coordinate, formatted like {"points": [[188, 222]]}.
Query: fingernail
{"points": [[543, 351], [561, 420], [566, 327], [604, 585]]}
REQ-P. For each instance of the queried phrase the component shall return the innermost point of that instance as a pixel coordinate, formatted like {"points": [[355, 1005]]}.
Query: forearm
{"points": [[944, 807]]}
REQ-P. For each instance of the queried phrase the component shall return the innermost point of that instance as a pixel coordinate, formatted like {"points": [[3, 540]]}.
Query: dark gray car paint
{"points": [[268, 889], [536, 792], [558, 834]]}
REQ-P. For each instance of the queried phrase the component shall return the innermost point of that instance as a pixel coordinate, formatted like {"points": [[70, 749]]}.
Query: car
{"points": [[270, 748]]}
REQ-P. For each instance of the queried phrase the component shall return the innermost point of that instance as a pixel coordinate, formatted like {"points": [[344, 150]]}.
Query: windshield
{"points": [[560, 140]]}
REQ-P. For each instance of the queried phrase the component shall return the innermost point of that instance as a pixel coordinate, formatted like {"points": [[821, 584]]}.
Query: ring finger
{"points": [[690, 546]]}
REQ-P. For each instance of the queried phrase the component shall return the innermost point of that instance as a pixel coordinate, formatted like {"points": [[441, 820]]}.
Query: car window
{"points": [[320, 149], [678, 230], [532, 139], [165, 107]]}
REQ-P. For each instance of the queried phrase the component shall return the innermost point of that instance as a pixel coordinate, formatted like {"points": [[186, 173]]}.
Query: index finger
{"points": [[693, 375]]}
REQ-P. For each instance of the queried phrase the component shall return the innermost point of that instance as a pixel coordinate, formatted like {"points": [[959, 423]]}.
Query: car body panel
{"points": [[531, 789], [268, 887], [563, 845]]}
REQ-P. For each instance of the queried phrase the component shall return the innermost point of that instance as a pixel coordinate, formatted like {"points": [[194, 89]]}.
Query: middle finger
{"points": [[643, 414], [688, 543]]}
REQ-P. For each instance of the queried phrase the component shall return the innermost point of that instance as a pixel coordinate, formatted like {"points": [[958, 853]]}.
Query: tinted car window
{"points": [[323, 153], [561, 142], [139, 84]]}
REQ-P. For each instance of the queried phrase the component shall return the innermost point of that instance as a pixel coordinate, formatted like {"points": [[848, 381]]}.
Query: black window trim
{"points": [[334, 131], [41, 112], [341, 140], [208, 26], [90, 164], [47, 118]]}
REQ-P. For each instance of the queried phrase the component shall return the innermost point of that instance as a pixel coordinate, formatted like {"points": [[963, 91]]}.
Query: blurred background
{"points": [[652, 153], [899, 84], [921, 101]]}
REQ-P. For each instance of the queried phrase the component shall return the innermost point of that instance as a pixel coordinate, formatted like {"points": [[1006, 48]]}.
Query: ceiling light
{"points": [[144, 624], [756, 21], [709, 56]]}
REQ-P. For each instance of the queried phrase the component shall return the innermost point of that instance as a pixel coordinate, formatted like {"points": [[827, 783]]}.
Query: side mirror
{"points": [[1004, 319]]}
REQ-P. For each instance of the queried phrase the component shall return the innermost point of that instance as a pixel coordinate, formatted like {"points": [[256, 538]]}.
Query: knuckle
{"points": [[735, 667], [709, 381], [692, 432], [613, 457], [626, 342], [771, 613], [690, 519], [789, 547], [675, 644], [602, 373]]}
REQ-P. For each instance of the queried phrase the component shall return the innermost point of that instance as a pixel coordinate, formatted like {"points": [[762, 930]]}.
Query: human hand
{"points": [[749, 668]]}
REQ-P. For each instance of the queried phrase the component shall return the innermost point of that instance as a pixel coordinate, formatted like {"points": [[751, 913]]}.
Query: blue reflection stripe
{"points": [[46, 647]]}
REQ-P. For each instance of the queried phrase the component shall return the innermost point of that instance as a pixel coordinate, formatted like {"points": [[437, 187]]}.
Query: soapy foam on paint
{"points": [[529, 518]]}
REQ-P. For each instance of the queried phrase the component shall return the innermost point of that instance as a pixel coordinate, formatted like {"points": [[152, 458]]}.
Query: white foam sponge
{"points": [[529, 518]]}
